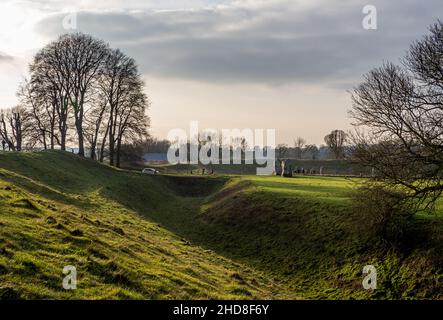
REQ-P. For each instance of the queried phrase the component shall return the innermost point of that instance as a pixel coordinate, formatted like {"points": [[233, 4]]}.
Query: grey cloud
{"points": [[280, 44]]}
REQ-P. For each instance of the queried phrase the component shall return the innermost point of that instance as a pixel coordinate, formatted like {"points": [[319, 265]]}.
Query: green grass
{"points": [[328, 189], [303, 229], [178, 236], [58, 210]]}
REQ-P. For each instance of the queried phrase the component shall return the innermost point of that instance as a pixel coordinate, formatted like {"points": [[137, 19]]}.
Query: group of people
{"points": [[288, 171], [4, 145], [306, 171], [203, 171]]}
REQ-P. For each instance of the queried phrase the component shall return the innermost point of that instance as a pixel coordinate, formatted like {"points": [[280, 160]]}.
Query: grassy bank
{"points": [[178, 236], [58, 210], [304, 230]]}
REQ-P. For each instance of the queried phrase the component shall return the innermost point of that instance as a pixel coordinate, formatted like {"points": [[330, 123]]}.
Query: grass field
{"points": [[178, 236], [59, 210]]}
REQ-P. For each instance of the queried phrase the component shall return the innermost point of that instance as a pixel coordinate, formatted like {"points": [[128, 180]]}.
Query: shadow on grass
{"points": [[287, 237]]}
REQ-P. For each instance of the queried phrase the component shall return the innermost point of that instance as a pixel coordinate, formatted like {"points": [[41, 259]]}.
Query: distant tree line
{"points": [[134, 152], [335, 147], [80, 91]]}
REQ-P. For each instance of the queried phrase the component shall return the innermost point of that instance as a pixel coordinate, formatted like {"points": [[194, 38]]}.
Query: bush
{"points": [[383, 214]]}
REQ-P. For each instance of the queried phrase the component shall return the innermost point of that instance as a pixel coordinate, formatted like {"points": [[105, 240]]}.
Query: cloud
{"points": [[110, 5], [270, 42], [5, 58]]}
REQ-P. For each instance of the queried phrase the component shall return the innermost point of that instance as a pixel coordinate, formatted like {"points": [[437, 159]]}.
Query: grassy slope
{"points": [[58, 210], [303, 230], [62, 210]]}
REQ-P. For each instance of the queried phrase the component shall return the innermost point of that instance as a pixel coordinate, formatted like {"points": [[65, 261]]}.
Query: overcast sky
{"points": [[283, 64]]}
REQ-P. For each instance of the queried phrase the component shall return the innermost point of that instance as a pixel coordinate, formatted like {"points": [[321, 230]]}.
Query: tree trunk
{"points": [[119, 144], [62, 117], [81, 143], [45, 146], [92, 155], [63, 141], [102, 147], [111, 140], [52, 139], [283, 168]]}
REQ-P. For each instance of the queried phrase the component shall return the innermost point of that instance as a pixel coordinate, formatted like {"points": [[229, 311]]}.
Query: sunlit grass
{"points": [[58, 210], [134, 236]]}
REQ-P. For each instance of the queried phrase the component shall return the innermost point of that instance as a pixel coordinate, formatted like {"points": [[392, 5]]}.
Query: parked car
{"points": [[150, 171]]}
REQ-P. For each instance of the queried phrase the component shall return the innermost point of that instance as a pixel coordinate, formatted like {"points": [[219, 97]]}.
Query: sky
{"points": [[261, 64]]}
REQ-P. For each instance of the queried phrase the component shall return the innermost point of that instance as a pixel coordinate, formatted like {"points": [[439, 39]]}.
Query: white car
{"points": [[150, 171]]}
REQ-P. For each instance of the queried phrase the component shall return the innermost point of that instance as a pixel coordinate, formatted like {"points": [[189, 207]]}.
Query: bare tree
{"points": [[336, 141], [78, 84], [154, 145], [38, 118], [73, 62], [299, 143], [126, 104], [401, 110], [50, 84], [13, 126], [282, 152], [312, 151], [94, 128], [41, 111], [119, 71], [132, 120], [5, 131]]}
